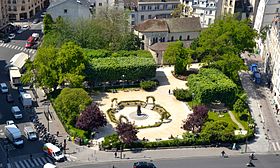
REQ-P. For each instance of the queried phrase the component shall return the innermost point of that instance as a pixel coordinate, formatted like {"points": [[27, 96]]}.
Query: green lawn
{"points": [[244, 123], [215, 117]]}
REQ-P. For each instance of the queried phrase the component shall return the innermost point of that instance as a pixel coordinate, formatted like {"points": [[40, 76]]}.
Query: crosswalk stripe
{"points": [[25, 50], [17, 165], [21, 164], [21, 48], [36, 162], [1, 44], [49, 160], [273, 145], [40, 161], [31, 162], [26, 163], [13, 47], [4, 45], [44, 160], [9, 46], [278, 146]]}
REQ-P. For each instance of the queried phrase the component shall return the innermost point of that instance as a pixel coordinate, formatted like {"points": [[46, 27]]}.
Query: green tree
{"points": [[230, 64], [178, 11], [225, 36], [240, 106], [173, 50], [48, 23], [70, 102], [71, 65]]}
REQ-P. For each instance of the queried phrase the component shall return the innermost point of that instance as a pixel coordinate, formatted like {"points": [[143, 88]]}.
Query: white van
{"points": [[49, 165], [30, 133], [53, 151]]}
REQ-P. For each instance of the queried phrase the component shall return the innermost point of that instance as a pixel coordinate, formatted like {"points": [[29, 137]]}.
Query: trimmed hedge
{"points": [[182, 94], [113, 68], [102, 53], [148, 85]]}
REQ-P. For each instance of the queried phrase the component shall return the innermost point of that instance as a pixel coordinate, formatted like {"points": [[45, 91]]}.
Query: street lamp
{"points": [[46, 104], [123, 80]]}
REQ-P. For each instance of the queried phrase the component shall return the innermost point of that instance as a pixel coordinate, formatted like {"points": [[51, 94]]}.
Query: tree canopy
{"points": [[91, 118], [127, 132], [53, 67], [70, 102], [227, 35], [211, 85], [178, 55]]}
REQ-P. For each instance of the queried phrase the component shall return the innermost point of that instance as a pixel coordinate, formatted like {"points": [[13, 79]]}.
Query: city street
{"points": [[263, 161], [7, 151]]}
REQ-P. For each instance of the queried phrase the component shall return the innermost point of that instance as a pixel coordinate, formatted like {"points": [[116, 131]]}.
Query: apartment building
{"points": [[272, 58], [204, 9], [141, 10], [266, 11], [4, 17], [24, 9]]}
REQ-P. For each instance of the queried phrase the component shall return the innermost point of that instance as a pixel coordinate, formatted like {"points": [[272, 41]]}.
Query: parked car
{"points": [[30, 42], [16, 112], [10, 98], [143, 165], [35, 21], [4, 88], [30, 133], [49, 165], [20, 89], [25, 27], [11, 36], [19, 31], [6, 39]]}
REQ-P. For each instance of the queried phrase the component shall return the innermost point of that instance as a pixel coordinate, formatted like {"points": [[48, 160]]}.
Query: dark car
{"points": [[6, 39], [10, 98], [20, 89], [143, 165], [35, 21]]}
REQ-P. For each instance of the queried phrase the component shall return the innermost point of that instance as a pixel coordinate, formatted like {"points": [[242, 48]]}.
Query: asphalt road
{"points": [[263, 161], [6, 148]]}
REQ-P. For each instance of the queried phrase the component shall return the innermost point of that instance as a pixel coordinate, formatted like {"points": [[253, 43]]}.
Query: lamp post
{"points": [[123, 80], [47, 114]]}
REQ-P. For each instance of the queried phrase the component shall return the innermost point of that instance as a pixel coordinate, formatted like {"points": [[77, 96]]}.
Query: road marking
{"points": [[40, 161], [21, 164], [13, 47], [26, 163], [49, 160], [4, 45], [1, 44], [21, 48], [36, 162], [17, 165], [278, 146], [273, 145], [31, 162], [44, 160]]}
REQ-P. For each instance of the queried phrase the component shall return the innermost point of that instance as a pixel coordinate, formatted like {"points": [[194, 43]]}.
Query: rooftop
{"points": [[189, 24]]}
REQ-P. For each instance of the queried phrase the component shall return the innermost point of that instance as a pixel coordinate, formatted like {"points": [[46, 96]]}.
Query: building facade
{"points": [[4, 17], [266, 11], [141, 10], [24, 9], [272, 58], [72, 10], [204, 9], [156, 33]]}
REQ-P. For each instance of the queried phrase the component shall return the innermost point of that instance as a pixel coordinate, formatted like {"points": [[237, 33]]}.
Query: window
{"points": [[22, 8], [14, 1], [180, 38], [132, 15], [164, 6], [65, 11], [150, 17], [132, 22], [188, 37], [23, 1], [157, 7], [149, 7], [100, 4], [277, 10], [230, 2], [172, 38], [210, 12], [142, 17], [14, 8], [143, 7], [209, 21], [9, 1], [143, 37]]}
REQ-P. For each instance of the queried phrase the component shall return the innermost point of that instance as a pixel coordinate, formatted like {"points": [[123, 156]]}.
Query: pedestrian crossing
{"points": [[274, 146], [11, 46], [34, 162]]}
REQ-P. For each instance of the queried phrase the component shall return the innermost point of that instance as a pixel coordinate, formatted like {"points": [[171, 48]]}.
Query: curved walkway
{"points": [[235, 121], [178, 110]]}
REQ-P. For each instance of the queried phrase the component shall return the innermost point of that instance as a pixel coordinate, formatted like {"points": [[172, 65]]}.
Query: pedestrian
{"points": [[31, 156], [169, 91], [115, 154], [57, 133], [223, 153]]}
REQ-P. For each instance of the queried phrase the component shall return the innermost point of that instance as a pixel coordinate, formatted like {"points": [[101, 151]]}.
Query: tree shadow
{"points": [[162, 78]]}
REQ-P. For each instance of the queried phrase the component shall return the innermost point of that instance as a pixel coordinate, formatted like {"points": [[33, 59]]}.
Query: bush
{"points": [[148, 85], [182, 94], [240, 105], [75, 132]]}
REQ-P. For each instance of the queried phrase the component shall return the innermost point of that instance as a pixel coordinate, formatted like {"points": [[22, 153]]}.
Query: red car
{"points": [[30, 42]]}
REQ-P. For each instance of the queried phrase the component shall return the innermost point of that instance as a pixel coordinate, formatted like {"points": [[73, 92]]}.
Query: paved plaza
{"points": [[178, 109]]}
